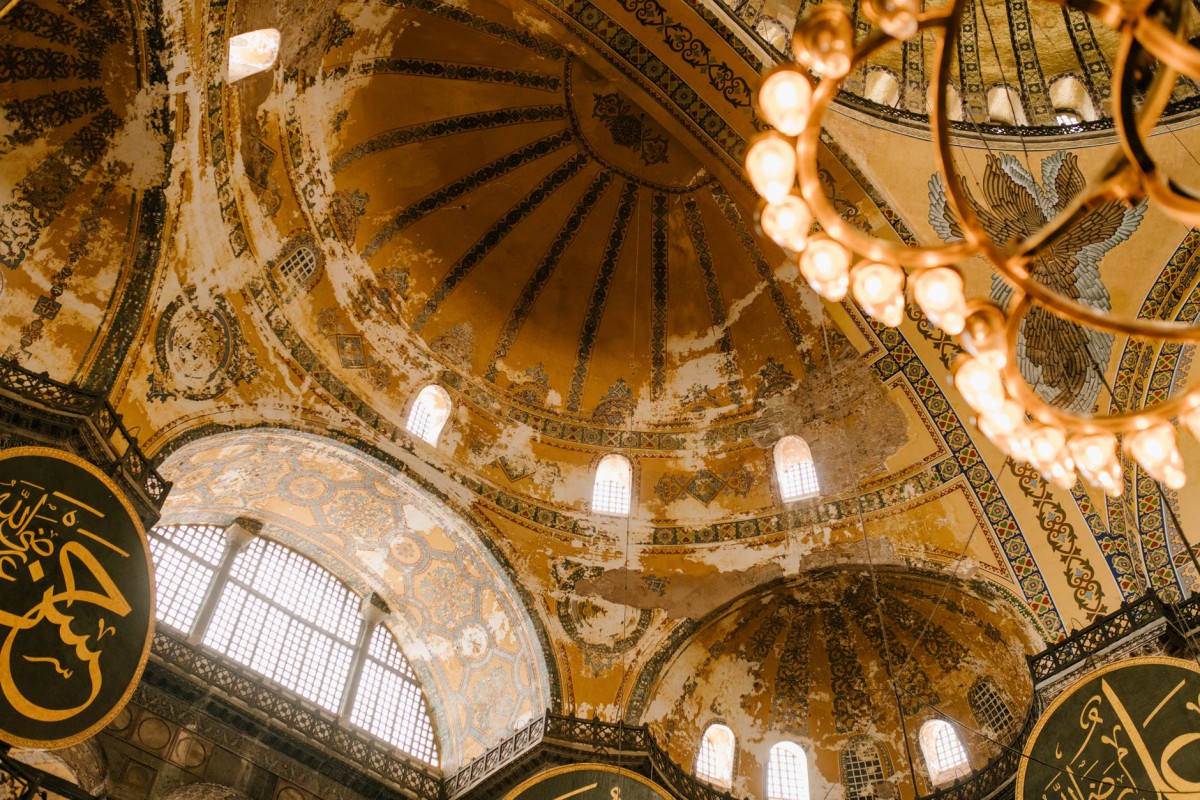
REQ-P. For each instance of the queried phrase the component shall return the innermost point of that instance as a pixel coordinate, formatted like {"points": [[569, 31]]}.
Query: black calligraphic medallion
{"points": [[76, 598], [587, 782], [1128, 731]]}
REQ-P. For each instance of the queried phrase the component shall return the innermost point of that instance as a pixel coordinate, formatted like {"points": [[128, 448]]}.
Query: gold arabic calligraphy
{"points": [[45, 545], [1115, 759]]}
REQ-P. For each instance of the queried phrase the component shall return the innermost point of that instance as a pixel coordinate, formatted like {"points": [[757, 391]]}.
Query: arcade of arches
{"points": [[454, 314]]}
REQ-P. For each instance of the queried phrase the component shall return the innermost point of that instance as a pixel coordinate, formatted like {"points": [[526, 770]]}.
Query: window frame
{"points": [[941, 770], [429, 413], [720, 781], [800, 792], [807, 481], [598, 474]]}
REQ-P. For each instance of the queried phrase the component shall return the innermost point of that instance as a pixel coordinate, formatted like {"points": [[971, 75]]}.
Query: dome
{"points": [[814, 662]]}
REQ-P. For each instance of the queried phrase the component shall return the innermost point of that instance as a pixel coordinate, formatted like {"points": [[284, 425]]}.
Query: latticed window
{"points": [[389, 703], [185, 559], [289, 619], [714, 762], [944, 752], [429, 413], [297, 272], [787, 773], [990, 708], [613, 490], [862, 768], [794, 469]]}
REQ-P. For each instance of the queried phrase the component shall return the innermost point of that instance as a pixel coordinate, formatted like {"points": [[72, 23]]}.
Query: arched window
{"points": [[185, 559], [863, 768], [1005, 107], [882, 88], [429, 413], [787, 772], [992, 710], [612, 491], [288, 618], [954, 106], [944, 752], [714, 762], [795, 470], [1072, 102], [285, 617], [389, 702], [252, 52]]}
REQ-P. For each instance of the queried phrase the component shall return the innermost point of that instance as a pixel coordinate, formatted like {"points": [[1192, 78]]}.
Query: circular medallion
{"points": [[1128, 729], [588, 782], [76, 598]]}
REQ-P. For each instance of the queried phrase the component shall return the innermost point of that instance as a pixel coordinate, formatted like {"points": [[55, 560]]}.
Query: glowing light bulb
{"points": [[825, 264], [1154, 448], [1191, 419], [983, 334], [879, 289], [785, 98], [1046, 445], [787, 222], [896, 18], [939, 293], [824, 41], [1096, 459], [980, 384], [771, 165]]}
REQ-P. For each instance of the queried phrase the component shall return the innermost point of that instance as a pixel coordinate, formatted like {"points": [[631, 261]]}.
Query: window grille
{"points": [[989, 707], [429, 413], [298, 270], [944, 752], [795, 470], [787, 773], [714, 762], [185, 559], [612, 491], [389, 703], [289, 619], [862, 768]]}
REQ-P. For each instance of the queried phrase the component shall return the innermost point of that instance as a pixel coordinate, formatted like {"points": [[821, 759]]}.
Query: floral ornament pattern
{"points": [[628, 129]]}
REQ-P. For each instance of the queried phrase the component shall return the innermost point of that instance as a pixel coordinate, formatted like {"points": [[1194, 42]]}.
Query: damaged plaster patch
{"points": [[137, 151], [684, 595]]}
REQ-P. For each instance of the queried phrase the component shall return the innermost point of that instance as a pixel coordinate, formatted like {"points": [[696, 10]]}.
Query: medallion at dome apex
{"points": [[1059, 441]]}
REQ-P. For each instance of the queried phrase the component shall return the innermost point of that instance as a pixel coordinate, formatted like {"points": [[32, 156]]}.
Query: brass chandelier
{"points": [[782, 166]]}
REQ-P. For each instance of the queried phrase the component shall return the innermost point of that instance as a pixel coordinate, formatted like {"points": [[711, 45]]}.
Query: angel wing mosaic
{"points": [[1055, 356]]}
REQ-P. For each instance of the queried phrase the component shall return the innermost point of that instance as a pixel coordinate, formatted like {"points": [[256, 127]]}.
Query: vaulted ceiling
{"points": [[539, 206]]}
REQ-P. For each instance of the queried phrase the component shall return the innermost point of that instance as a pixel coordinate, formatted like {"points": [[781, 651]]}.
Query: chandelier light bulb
{"points": [[980, 384], [896, 18], [785, 98], [787, 222], [983, 334], [1155, 450], [771, 165], [1095, 456], [939, 294], [1046, 446], [824, 41], [879, 289], [1191, 419], [825, 264]]}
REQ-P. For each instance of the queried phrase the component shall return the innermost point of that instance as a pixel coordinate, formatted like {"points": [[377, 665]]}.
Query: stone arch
{"points": [[379, 528], [203, 791]]}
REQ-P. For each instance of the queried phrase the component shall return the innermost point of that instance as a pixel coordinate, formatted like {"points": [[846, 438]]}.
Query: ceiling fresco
{"points": [[539, 207]]}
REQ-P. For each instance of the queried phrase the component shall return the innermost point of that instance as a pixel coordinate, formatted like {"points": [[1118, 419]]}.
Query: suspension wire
{"points": [[1004, 77], [887, 654]]}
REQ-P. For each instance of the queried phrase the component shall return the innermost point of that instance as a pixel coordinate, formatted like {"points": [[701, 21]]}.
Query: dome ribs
{"points": [[449, 193], [448, 126], [750, 245], [497, 232], [712, 292], [600, 289], [545, 269]]}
